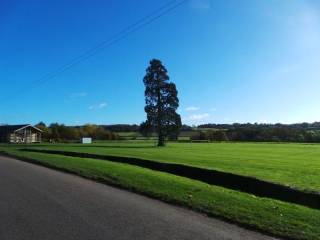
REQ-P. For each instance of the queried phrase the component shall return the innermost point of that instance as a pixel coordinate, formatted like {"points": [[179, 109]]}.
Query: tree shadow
{"points": [[116, 146], [86, 146]]}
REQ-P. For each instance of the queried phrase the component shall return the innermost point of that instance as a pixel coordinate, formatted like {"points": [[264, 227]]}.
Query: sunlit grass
{"points": [[296, 165]]}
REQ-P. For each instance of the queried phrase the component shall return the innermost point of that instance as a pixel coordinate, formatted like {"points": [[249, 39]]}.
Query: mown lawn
{"points": [[296, 165], [267, 215]]}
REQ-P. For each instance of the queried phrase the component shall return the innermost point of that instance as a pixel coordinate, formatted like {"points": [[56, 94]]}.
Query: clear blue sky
{"points": [[232, 61]]}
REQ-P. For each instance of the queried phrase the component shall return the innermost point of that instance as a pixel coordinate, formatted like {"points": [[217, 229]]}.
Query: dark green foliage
{"points": [[122, 127], [46, 132], [217, 136], [210, 135], [273, 134], [145, 129], [162, 101], [304, 132], [185, 127]]}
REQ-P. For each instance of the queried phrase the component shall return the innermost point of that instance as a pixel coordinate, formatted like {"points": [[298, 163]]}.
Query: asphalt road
{"points": [[37, 203]]}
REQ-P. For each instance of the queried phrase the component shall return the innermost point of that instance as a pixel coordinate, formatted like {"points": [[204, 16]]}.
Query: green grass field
{"points": [[296, 165], [290, 164]]}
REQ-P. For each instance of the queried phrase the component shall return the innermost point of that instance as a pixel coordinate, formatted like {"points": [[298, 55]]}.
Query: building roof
{"points": [[13, 128]]}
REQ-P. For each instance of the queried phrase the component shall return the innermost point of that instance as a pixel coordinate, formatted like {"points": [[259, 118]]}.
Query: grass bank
{"points": [[224, 179], [295, 165]]}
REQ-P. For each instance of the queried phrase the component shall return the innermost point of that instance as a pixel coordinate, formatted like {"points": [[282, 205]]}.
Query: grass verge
{"points": [[266, 215]]}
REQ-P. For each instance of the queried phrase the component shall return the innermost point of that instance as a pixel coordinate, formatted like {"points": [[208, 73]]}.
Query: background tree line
{"points": [[304, 132], [56, 132]]}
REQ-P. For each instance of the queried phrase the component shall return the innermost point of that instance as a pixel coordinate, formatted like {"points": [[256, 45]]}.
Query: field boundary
{"points": [[241, 183]]}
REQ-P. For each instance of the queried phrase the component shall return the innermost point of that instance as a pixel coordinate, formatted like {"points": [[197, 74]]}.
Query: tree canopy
{"points": [[161, 97]]}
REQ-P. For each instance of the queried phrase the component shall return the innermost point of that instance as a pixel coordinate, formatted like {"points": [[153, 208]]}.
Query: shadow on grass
{"points": [[84, 146], [116, 146]]}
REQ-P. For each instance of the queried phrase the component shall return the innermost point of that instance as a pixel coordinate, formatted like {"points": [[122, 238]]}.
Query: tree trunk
{"points": [[160, 140], [159, 120]]}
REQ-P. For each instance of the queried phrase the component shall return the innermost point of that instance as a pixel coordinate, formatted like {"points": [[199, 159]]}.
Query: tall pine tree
{"points": [[161, 102]]}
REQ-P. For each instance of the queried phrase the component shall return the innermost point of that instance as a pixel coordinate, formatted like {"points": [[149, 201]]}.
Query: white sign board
{"points": [[86, 140]]}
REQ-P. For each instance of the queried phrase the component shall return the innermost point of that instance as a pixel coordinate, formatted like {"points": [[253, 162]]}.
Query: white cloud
{"points": [[197, 117], [98, 106], [78, 95], [192, 108], [200, 4], [102, 105], [213, 109]]}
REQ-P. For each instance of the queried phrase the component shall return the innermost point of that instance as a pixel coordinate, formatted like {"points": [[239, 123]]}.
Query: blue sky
{"points": [[232, 61]]}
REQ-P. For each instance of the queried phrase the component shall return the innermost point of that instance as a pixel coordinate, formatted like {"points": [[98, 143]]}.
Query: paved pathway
{"points": [[37, 203]]}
